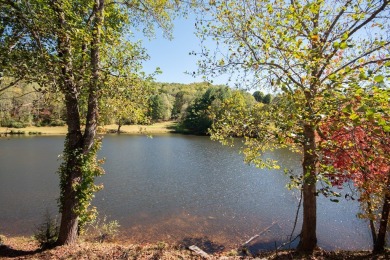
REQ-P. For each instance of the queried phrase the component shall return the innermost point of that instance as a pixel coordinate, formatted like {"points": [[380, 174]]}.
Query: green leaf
{"points": [[379, 78], [354, 117], [347, 109], [332, 77], [362, 75], [362, 108], [343, 45], [369, 113], [382, 122]]}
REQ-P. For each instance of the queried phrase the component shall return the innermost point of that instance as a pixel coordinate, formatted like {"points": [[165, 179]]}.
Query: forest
{"points": [[191, 105], [318, 71]]}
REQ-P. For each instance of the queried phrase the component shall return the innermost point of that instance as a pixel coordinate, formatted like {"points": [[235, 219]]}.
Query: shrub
{"points": [[103, 230], [34, 133], [14, 124], [57, 122], [18, 132], [47, 233]]}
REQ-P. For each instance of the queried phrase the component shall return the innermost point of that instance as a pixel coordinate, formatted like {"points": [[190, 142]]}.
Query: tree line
{"points": [[191, 105]]}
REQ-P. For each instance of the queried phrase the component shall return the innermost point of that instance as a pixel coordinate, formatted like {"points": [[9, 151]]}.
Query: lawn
{"points": [[156, 128]]}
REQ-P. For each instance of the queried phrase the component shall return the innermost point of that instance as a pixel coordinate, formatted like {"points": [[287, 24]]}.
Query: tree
{"points": [[79, 165], [182, 100], [198, 117], [18, 105], [128, 105], [258, 95], [125, 99], [267, 99], [161, 107], [15, 29], [61, 44], [181, 95], [356, 146], [306, 49]]}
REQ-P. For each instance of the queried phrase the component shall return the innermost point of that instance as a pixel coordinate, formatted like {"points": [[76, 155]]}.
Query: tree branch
{"points": [[10, 84]]}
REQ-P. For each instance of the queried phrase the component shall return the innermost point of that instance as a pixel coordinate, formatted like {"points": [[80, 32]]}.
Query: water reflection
{"points": [[173, 188]]}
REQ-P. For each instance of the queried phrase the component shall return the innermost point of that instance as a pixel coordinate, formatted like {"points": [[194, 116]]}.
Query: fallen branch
{"points": [[256, 236], [198, 251], [243, 248]]}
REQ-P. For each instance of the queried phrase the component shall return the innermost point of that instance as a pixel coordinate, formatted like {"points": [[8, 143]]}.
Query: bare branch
{"points": [[13, 83]]}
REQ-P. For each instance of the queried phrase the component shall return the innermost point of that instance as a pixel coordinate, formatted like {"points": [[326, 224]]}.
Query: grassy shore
{"points": [[157, 128], [27, 248]]}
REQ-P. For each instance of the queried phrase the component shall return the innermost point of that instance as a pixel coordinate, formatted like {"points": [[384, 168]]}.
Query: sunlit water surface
{"points": [[173, 188]]}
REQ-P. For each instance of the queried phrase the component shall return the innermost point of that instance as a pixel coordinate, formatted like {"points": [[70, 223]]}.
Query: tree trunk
{"points": [[76, 143], [308, 239], [94, 88], [371, 221], [118, 131], [379, 246], [71, 173], [373, 231], [69, 219]]}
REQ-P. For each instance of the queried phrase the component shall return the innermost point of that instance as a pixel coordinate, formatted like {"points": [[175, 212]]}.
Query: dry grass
{"points": [[24, 248], [157, 128], [27, 248], [47, 130]]}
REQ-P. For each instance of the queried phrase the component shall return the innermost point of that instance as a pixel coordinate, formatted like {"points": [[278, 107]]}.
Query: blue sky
{"points": [[172, 56]]}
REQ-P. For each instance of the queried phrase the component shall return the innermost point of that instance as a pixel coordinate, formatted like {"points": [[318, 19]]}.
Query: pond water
{"points": [[173, 188]]}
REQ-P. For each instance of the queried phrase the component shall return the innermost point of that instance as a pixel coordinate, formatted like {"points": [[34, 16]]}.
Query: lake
{"points": [[173, 188]]}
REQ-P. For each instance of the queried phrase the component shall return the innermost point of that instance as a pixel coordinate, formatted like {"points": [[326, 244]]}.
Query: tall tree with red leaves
{"points": [[356, 147]]}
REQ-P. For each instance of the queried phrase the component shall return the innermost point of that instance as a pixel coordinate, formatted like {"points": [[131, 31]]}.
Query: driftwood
{"points": [[199, 251], [243, 248], [256, 236]]}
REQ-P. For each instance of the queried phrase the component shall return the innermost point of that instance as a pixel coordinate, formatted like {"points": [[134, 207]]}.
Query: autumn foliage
{"points": [[355, 144], [358, 153]]}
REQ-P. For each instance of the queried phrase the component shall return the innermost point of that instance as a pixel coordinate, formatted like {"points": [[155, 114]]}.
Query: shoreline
{"points": [[156, 128], [88, 248]]}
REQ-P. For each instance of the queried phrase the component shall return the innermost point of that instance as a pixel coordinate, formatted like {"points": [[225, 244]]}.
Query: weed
{"points": [[103, 229]]}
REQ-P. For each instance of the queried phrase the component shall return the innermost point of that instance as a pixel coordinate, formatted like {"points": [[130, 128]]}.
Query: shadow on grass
{"points": [[6, 251], [177, 128]]}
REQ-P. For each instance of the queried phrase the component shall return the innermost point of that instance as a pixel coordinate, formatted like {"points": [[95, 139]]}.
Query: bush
{"points": [[57, 122], [48, 122], [34, 133], [14, 124], [103, 230], [18, 132], [47, 233]]}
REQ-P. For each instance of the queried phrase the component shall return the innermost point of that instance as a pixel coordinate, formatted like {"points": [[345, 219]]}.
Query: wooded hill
{"points": [[27, 104]]}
